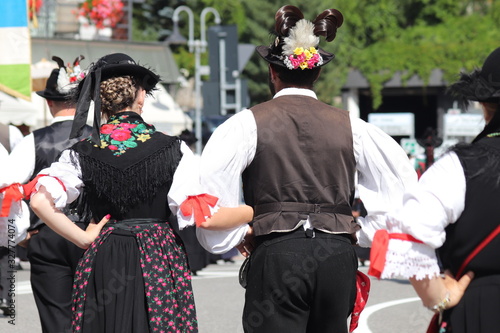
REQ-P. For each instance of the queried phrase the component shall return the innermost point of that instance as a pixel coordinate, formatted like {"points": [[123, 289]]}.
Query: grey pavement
{"points": [[393, 306]]}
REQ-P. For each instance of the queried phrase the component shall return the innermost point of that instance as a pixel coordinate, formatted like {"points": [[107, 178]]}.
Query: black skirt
{"points": [[479, 309], [134, 278]]}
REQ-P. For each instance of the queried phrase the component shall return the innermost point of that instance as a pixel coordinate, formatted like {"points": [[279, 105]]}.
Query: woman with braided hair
{"points": [[133, 276], [444, 239]]}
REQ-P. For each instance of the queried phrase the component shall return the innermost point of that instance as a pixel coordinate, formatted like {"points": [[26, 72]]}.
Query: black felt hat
{"points": [[482, 85], [111, 65], [62, 80], [120, 64], [51, 91]]}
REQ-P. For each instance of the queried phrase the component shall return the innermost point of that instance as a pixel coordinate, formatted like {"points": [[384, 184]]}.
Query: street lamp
{"points": [[197, 46]]}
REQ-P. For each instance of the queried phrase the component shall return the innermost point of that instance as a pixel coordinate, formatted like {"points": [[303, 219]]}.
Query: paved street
{"points": [[392, 307]]}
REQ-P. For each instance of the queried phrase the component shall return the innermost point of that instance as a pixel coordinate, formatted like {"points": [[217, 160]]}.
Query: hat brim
{"points": [[265, 53], [147, 77], [48, 95]]}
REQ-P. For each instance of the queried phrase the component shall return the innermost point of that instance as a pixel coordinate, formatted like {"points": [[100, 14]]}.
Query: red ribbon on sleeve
{"points": [[379, 248], [199, 206], [11, 194], [30, 187]]}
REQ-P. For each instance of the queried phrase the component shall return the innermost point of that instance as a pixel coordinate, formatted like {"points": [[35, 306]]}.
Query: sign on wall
{"points": [[463, 124], [394, 124]]}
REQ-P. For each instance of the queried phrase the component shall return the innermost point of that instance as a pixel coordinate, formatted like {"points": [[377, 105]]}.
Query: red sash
{"points": [[11, 194], [379, 248]]}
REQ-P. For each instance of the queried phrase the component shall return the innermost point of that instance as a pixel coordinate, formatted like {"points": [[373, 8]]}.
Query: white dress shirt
{"points": [[15, 136], [21, 161], [12, 227], [384, 172]]}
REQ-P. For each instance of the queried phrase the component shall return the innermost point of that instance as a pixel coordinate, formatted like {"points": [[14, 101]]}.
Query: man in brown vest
{"points": [[298, 158]]}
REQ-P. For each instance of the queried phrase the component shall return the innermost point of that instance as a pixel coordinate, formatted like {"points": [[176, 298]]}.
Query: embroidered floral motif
{"points": [[122, 132], [166, 278], [303, 58]]}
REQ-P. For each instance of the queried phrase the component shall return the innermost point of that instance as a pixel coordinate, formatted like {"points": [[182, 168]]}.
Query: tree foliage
{"points": [[378, 37], [430, 34], [152, 20]]}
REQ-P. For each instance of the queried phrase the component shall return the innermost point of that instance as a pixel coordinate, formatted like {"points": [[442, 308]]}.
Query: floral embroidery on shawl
{"points": [[121, 133]]}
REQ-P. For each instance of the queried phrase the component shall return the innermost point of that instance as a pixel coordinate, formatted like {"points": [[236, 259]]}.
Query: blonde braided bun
{"points": [[117, 94]]}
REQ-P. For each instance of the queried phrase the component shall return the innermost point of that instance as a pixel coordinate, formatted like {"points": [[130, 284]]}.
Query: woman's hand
{"points": [[24, 243], [94, 229], [442, 290], [456, 288]]}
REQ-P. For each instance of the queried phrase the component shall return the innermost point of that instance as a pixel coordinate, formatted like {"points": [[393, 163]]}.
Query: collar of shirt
{"points": [[62, 118], [296, 91]]}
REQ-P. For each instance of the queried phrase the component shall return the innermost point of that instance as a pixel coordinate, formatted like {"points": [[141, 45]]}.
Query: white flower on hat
{"points": [[299, 49], [301, 35]]}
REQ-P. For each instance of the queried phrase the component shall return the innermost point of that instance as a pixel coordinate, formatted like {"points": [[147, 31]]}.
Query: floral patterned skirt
{"points": [[134, 278]]}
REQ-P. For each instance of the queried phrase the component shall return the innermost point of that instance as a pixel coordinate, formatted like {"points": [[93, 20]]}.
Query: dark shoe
{"points": [[8, 312], [4, 306]]}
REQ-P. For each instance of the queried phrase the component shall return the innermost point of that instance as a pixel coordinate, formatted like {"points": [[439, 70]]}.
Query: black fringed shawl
{"points": [[134, 164], [485, 153]]}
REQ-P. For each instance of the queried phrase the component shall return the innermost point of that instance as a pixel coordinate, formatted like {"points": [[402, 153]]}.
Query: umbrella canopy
{"points": [[17, 111], [164, 113]]}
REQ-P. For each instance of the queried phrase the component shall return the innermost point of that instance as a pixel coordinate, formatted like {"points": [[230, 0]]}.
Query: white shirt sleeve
{"points": [[230, 150], [437, 201], [67, 170], [15, 136], [384, 173], [185, 183], [14, 227], [21, 162]]}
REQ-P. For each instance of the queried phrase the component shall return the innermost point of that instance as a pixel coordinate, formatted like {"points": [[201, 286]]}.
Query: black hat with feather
{"points": [[62, 80], [481, 85]]}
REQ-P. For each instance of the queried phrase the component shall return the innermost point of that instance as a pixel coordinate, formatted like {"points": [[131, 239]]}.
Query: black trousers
{"points": [[53, 262], [300, 282]]}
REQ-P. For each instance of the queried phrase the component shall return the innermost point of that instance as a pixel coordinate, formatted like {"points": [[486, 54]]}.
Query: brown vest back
{"points": [[303, 166]]}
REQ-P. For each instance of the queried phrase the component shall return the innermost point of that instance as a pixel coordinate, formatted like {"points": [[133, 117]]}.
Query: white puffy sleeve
{"points": [[384, 173], [230, 150], [437, 201], [186, 183], [62, 179]]}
